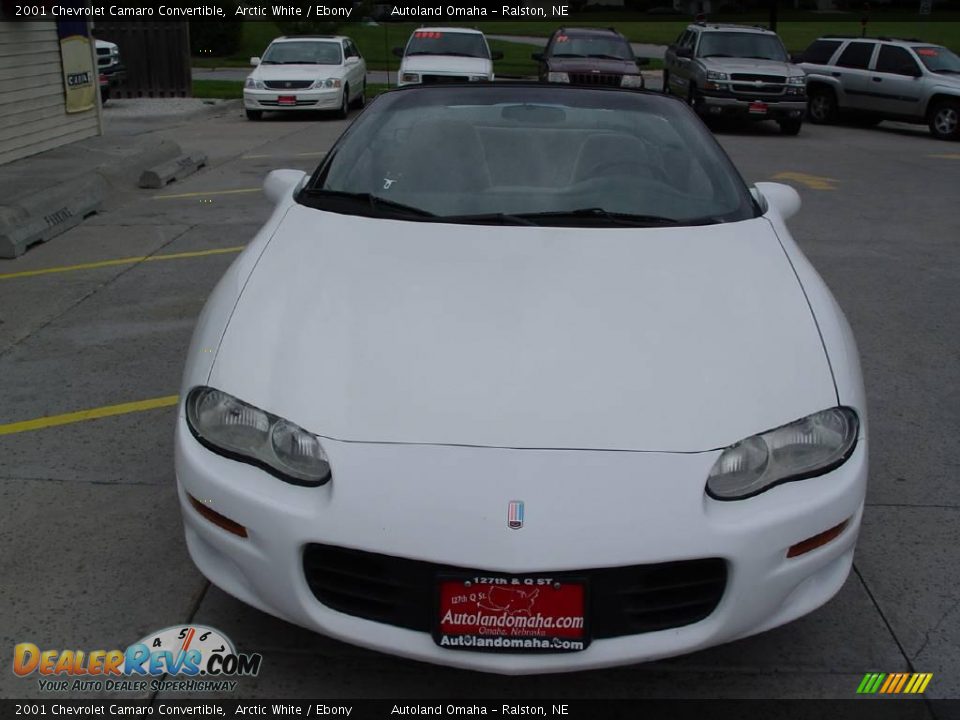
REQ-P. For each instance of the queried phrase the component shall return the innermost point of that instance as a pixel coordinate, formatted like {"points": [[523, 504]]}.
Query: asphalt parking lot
{"points": [[94, 326]]}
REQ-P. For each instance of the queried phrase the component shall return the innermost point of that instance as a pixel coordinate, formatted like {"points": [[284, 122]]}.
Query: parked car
{"points": [[736, 70], [524, 378], [306, 73], [445, 55], [110, 69], [590, 56], [884, 79]]}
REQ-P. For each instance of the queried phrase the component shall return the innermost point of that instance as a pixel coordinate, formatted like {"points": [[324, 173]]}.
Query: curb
{"points": [[162, 175], [40, 215]]}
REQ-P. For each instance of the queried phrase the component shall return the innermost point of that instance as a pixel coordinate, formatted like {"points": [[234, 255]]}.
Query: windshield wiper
{"points": [[716, 55], [556, 55], [603, 56], [488, 219], [596, 213], [371, 201]]}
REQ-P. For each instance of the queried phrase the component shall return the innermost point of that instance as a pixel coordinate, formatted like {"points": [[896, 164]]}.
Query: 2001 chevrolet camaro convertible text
{"points": [[524, 378]]}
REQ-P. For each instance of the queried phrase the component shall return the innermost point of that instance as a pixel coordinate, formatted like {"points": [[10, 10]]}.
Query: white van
{"points": [[445, 55]]}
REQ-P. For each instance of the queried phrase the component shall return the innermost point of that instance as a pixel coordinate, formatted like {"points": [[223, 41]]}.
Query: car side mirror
{"points": [[641, 62], [398, 52], [684, 52], [352, 60], [777, 196], [280, 183], [496, 55], [254, 61], [536, 56]]}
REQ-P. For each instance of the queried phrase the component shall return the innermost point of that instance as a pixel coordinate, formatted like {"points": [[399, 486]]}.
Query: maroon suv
{"points": [[590, 56]]}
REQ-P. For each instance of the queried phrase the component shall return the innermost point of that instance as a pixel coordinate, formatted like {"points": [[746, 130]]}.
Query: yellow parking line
{"points": [[92, 414], [206, 193], [283, 155], [120, 261], [948, 156], [814, 182]]}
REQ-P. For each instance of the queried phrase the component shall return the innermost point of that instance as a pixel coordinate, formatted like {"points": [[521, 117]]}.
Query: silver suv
{"points": [[736, 70], [884, 79]]}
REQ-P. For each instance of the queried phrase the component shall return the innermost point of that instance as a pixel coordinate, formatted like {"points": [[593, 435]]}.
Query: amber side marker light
{"points": [[221, 521], [812, 543]]}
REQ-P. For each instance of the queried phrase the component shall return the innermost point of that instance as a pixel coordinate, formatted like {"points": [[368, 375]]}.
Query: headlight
{"points": [[631, 81], [253, 84], [797, 80], [328, 83], [233, 428], [410, 77], [711, 75], [558, 77], [805, 448]]}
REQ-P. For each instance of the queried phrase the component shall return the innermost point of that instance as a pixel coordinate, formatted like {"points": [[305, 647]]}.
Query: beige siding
{"points": [[33, 115]]}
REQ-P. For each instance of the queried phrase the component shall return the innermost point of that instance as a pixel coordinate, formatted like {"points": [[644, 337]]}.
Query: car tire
{"points": [[344, 110], [666, 83], [361, 98], [944, 120], [790, 127], [254, 114], [104, 95], [822, 106], [693, 99]]}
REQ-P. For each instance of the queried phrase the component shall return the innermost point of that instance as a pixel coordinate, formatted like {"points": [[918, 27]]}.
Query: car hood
{"points": [[750, 65], [599, 65], [446, 64], [674, 339], [296, 72]]}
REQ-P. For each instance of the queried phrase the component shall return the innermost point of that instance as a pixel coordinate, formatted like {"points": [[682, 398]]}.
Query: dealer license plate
{"points": [[287, 100], [758, 108], [511, 614]]}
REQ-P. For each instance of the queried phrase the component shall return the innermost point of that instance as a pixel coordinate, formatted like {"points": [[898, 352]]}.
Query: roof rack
{"points": [[870, 37]]}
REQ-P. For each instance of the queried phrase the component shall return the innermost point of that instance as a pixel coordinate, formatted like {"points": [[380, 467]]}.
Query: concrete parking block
{"points": [[86, 565]]}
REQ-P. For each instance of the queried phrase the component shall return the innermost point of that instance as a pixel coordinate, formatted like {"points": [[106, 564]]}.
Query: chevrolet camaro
{"points": [[524, 378]]}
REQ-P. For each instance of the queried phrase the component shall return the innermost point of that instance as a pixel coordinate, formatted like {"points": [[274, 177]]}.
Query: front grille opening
{"points": [[622, 600]]}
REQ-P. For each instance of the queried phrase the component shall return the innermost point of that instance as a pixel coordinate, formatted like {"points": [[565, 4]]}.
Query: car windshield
{"points": [[583, 46], [938, 59], [436, 42], [741, 45], [530, 155], [303, 53]]}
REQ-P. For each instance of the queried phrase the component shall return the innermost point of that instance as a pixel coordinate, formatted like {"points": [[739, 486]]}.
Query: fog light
{"points": [[819, 540], [221, 521]]}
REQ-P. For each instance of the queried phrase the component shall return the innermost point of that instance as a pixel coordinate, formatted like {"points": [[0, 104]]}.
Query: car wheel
{"points": [[822, 106], [104, 95], [790, 127], [693, 98], [344, 103], [666, 83], [945, 120], [254, 114], [361, 99]]}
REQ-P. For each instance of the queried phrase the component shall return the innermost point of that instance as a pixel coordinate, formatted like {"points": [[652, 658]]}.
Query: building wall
{"points": [[33, 115]]}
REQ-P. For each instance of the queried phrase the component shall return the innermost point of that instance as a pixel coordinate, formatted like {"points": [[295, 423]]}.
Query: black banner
{"points": [[861, 709]]}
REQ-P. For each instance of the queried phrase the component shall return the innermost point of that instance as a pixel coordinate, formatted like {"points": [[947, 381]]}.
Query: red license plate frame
{"points": [[511, 614], [758, 107], [286, 100]]}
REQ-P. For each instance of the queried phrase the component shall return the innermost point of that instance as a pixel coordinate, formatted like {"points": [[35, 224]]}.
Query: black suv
{"points": [[590, 56]]}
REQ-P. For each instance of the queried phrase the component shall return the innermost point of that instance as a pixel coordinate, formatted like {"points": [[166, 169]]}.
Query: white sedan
{"points": [[524, 379], [306, 73]]}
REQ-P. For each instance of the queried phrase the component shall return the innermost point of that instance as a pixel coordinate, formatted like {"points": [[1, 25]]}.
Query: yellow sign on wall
{"points": [[80, 79]]}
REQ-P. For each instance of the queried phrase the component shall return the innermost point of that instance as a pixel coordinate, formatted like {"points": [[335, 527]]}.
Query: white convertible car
{"points": [[524, 378]]}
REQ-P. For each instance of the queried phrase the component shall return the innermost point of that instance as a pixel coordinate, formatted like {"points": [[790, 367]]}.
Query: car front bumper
{"points": [[776, 109], [323, 99], [584, 509]]}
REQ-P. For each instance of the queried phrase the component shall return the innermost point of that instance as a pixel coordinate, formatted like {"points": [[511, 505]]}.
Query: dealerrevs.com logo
{"points": [[195, 658]]}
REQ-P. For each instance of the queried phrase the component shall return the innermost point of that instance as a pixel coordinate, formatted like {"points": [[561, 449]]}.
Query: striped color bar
{"points": [[894, 683]]}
